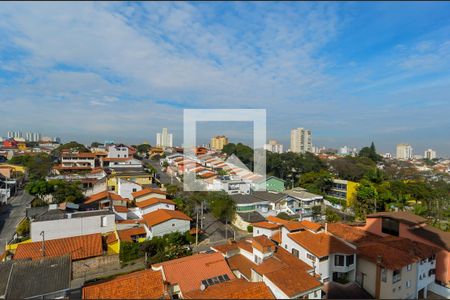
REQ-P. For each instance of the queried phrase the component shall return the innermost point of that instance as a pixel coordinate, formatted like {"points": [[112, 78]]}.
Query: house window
{"points": [[285, 246], [257, 259], [134, 190], [350, 260], [390, 226], [257, 231], [311, 257], [103, 221], [408, 284], [295, 252], [408, 267], [396, 276], [173, 224], [339, 260], [383, 275], [323, 258]]}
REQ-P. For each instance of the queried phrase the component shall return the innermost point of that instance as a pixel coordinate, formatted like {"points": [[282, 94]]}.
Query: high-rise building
{"points": [[274, 146], [164, 139], [301, 140], [217, 142], [404, 151], [17, 135], [429, 154], [10, 134]]}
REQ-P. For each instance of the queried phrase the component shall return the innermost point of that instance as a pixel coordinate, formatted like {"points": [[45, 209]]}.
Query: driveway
{"points": [[11, 214]]}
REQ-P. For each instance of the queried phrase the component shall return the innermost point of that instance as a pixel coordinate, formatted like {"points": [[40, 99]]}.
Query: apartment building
{"points": [[273, 146], [217, 142], [77, 161], [344, 190], [164, 139], [301, 140], [429, 154], [404, 152]]}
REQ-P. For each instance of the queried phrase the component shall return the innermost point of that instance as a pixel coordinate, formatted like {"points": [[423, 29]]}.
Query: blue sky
{"points": [[350, 72]]}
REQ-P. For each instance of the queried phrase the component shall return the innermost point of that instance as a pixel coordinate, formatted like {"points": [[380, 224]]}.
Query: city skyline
{"points": [[320, 66]]}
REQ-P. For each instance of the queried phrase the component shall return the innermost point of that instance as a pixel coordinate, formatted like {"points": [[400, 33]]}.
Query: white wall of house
{"points": [[120, 215], [132, 163], [257, 231], [125, 188], [62, 228], [167, 227], [117, 152], [154, 207], [98, 187], [423, 277]]}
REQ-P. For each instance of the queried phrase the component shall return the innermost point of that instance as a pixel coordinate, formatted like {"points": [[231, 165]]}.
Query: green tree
{"points": [[284, 216], [72, 146], [95, 144], [65, 191], [370, 152], [317, 182], [352, 168], [23, 229], [332, 216], [366, 197], [222, 205], [39, 188], [143, 148], [38, 166]]}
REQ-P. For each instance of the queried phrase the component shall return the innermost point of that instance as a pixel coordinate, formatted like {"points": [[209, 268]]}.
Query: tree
{"points": [[222, 205], [317, 182], [72, 146], [65, 191], [23, 229], [143, 148], [38, 166], [352, 168], [370, 152], [95, 144], [284, 216], [366, 197], [331, 216], [39, 188]]}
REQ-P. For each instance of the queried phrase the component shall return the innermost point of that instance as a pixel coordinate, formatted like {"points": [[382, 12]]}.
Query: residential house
{"points": [[145, 284], [413, 227], [333, 259], [126, 187], [165, 221], [153, 204], [260, 260], [46, 278], [76, 161], [344, 190], [231, 187], [57, 224], [78, 247], [271, 184], [148, 193], [193, 273], [301, 202]]}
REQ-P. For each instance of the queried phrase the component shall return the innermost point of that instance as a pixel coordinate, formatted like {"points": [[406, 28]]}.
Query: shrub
{"points": [[250, 228]]}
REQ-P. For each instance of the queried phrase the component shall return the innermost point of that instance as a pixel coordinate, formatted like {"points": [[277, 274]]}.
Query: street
{"points": [[11, 214], [163, 177]]}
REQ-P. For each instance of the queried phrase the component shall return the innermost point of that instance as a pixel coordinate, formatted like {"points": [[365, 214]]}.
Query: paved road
{"points": [[12, 214]]}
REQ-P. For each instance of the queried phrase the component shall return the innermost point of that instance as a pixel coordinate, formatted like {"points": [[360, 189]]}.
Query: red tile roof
{"points": [[146, 284], [181, 271], [401, 216], [153, 201], [147, 191], [126, 235], [79, 247], [277, 220], [320, 244], [116, 158], [233, 289], [395, 252], [242, 264], [266, 225], [351, 234], [162, 215], [120, 209], [104, 195], [293, 225], [276, 237], [311, 225], [263, 244]]}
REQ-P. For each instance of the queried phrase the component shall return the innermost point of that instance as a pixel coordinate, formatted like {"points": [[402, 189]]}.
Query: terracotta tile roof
{"points": [[242, 264], [153, 201], [180, 271], [277, 220], [311, 225], [79, 247], [320, 244], [434, 235], [80, 155], [104, 195], [263, 244], [162, 215], [120, 209], [245, 245], [395, 252], [351, 234], [225, 248], [233, 289], [276, 237], [266, 225], [126, 235], [146, 284], [401, 216], [147, 191], [117, 158], [293, 225], [111, 237], [293, 281]]}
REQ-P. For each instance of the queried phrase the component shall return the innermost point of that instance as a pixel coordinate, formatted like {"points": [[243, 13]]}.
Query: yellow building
{"points": [[218, 142], [345, 190], [141, 178], [17, 168]]}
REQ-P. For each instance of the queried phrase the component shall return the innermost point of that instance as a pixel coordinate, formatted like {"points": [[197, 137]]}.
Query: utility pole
{"points": [[201, 219], [196, 231], [43, 243], [226, 228]]}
